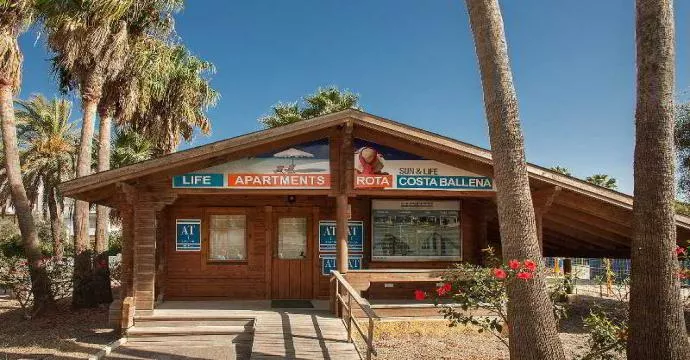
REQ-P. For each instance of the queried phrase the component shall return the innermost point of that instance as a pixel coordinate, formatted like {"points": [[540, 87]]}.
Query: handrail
{"points": [[363, 304]]}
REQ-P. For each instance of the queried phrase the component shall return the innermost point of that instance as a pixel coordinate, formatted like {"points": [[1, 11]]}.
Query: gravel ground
{"points": [[66, 334], [433, 339]]}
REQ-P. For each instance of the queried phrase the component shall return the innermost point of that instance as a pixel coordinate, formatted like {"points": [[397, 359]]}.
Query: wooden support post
{"points": [[144, 256], [341, 226], [482, 231], [118, 313]]}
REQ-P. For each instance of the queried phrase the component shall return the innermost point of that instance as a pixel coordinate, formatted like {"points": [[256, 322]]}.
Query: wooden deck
{"points": [[278, 333]]}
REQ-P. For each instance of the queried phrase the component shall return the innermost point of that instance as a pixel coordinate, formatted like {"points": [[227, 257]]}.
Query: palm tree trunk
{"points": [[40, 283], [56, 227], [102, 212], [657, 327], [532, 326], [102, 290], [82, 292]]}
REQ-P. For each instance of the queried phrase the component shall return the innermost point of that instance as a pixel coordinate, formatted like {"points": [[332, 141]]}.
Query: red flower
{"points": [[524, 275], [514, 264], [444, 289], [419, 295], [680, 250], [682, 275], [530, 265], [500, 273]]}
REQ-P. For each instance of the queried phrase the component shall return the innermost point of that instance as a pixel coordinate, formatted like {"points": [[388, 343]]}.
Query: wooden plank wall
{"points": [[190, 276]]}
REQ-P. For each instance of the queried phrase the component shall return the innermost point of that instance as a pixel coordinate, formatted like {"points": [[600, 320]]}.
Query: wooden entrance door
{"points": [[291, 272]]}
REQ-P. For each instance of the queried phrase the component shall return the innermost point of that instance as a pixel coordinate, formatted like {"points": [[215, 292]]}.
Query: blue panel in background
{"points": [[199, 181]]}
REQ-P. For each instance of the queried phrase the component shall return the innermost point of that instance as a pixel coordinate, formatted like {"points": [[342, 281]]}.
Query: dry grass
{"points": [[64, 334], [433, 339]]}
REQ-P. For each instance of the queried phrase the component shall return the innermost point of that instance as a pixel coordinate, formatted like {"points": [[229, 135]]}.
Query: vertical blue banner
{"points": [[188, 235]]}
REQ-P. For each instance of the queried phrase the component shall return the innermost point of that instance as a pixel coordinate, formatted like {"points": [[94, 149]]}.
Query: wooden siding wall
{"points": [[187, 275]]}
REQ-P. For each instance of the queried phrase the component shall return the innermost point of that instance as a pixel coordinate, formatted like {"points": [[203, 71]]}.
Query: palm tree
{"points": [[657, 326], [89, 39], [562, 170], [145, 19], [324, 101], [130, 147], [175, 96], [15, 16], [532, 326], [47, 141], [602, 180]]}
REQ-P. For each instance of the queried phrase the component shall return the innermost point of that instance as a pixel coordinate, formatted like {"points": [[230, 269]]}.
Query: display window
{"points": [[416, 230]]}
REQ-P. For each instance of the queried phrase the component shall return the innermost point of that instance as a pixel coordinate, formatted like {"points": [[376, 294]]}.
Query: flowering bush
{"points": [[468, 288], [14, 275]]}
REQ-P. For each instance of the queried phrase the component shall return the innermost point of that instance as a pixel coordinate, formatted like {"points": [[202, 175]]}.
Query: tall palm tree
{"points": [[47, 139], [175, 97], [15, 16], [324, 101], [532, 326], [89, 39], [657, 326], [145, 19]]}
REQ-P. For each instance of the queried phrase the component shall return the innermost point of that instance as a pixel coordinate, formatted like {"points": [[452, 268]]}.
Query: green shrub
{"points": [[114, 243]]}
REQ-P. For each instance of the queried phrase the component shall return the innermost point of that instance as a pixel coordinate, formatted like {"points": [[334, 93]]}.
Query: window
{"points": [[414, 230], [228, 238], [292, 238]]}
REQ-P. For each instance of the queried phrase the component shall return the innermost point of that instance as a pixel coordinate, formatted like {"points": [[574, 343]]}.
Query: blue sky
{"points": [[413, 61]]}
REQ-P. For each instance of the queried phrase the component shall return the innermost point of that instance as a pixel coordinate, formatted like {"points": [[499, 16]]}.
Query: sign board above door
{"points": [[384, 168], [303, 166]]}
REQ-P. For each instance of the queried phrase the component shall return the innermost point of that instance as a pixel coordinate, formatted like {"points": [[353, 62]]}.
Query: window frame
{"points": [[417, 258], [208, 213]]}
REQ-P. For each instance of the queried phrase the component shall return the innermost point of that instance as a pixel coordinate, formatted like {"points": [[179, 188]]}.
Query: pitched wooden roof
{"points": [[186, 159]]}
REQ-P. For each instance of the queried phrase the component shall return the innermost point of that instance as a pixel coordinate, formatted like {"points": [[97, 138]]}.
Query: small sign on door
{"points": [[188, 235]]}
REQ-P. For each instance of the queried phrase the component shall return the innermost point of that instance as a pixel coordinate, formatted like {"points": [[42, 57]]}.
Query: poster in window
{"points": [[416, 230], [188, 235]]}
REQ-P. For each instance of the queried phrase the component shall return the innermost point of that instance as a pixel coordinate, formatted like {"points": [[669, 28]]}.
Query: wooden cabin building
{"points": [[268, 214]]}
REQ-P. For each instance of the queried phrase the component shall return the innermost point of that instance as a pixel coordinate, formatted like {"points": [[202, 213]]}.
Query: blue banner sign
{"points": [[328, 263], [199, 181], [188, 235], [444, 182], [355, 236]]}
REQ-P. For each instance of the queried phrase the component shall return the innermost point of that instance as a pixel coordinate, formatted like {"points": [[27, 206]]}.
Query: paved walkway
{"points": [[302, 334]]}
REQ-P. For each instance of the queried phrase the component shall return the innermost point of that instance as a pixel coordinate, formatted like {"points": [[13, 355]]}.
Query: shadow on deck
{"points": [[247, 330]]}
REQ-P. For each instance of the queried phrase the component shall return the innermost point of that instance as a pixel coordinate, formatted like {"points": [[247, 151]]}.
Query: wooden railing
{"points": [[341, 287]]}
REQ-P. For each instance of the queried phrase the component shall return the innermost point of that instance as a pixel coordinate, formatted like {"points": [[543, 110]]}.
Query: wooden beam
{"points": [[595, 207], [578, 234], [543, 198], [590, 229], [341, 227], [583, 217]]}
